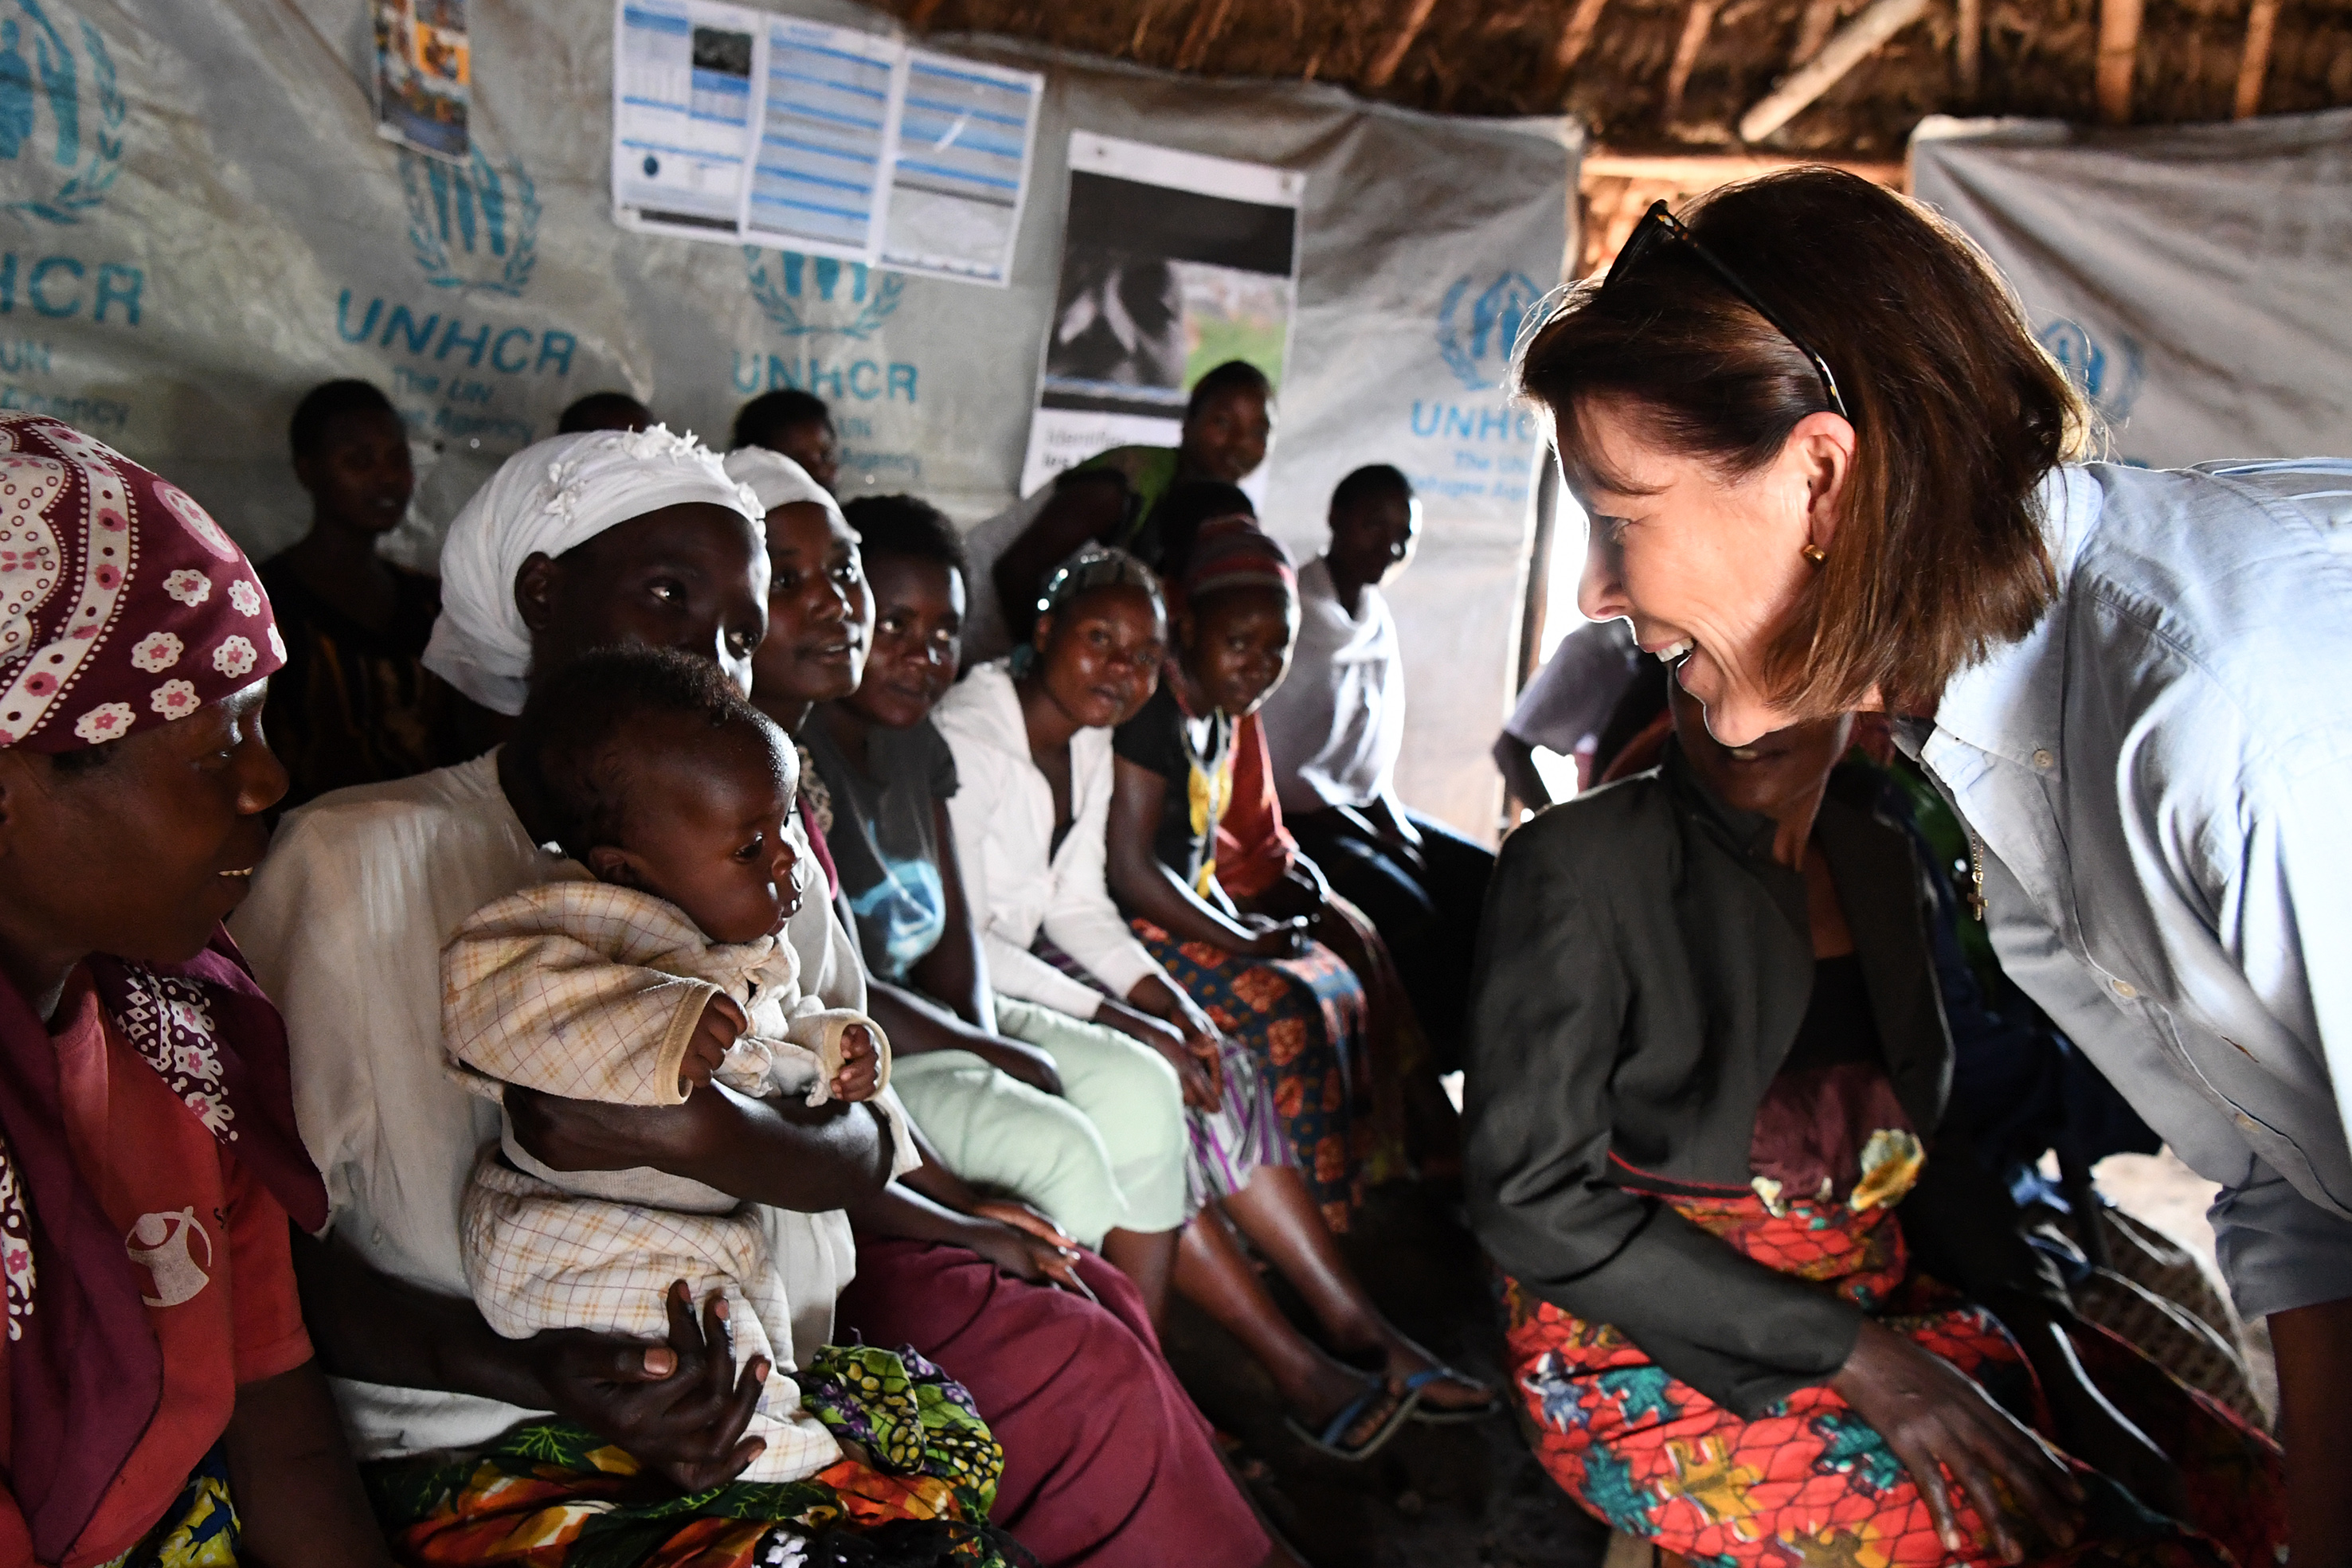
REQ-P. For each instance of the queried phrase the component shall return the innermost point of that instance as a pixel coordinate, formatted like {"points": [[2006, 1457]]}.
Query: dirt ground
{"points": [[1435, 1497], [1454, 1497]]}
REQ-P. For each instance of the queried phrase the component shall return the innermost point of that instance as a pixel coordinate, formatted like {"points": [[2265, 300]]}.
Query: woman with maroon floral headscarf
{"points": [[160, 1396]]}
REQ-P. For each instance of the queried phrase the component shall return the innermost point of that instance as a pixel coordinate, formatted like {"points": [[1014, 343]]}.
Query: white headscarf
{"points": [[779, 481], [544, 500]]}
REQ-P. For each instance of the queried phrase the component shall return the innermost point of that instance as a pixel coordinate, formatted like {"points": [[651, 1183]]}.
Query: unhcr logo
{"points": [[58, 154], [807, 297], [1477, 332], [2111, 380], [472, 224]]}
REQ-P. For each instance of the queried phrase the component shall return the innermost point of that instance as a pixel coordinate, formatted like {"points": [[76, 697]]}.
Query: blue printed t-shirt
{"points": [[885, 837]]}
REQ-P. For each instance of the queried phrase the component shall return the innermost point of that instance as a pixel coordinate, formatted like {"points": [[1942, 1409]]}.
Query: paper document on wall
{"points": [[1172, 263], [744, 126], [965, 137], [684, 120], [824, 138]]}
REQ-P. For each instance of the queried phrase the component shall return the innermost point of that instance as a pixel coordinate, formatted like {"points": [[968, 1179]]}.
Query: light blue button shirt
{"points": [[2160, 778]]}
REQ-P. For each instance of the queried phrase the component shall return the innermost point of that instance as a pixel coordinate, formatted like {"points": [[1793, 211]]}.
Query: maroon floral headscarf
{"points": [[122, 604], [122, 607]]}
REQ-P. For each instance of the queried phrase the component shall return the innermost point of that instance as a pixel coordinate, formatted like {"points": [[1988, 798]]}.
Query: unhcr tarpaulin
{"points": [[2193, 278], [202, 222]]}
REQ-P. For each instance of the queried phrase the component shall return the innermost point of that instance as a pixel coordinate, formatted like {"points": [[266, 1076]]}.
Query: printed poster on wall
{"points": [[1172, 263], [423, 76], [745, 126]]}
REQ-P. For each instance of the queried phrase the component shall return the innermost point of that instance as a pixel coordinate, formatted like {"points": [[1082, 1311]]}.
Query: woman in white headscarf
{"points": [[580, 542]]}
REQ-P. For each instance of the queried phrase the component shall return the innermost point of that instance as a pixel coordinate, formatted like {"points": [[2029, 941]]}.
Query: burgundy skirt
{"points": [[1107, 1462]]}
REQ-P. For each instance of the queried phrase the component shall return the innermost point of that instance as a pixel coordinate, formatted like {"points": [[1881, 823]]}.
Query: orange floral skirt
{"points": [[1808, 1484]]}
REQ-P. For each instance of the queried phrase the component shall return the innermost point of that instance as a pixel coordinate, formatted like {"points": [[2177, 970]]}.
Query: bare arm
{"points": [[777, 1152], [917, 1024], [2314, 1372], [298, 1498], [1084, 507], [1517, 760], [952, 972], [678, 1406], [1144, 885], [931, 1203]]}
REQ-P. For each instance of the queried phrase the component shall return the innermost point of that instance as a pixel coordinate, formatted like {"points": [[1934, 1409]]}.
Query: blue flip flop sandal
{"points": [[1329, 1441], [1447, 1415]]}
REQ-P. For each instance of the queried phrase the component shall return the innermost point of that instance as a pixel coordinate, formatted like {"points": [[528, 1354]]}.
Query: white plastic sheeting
{"points": [[2193, 279], [201, 224]]}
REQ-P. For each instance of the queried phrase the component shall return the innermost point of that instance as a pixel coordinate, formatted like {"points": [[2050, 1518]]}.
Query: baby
{"points": [[658, 966]]}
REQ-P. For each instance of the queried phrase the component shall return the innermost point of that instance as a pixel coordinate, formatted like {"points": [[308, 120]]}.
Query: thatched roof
{"points": [[1659, 76]]}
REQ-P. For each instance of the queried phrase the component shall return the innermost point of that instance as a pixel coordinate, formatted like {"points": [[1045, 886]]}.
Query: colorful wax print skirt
{"points": [[199, 1529], [1808, 1484], [915, 1490], [1303, 1020]]}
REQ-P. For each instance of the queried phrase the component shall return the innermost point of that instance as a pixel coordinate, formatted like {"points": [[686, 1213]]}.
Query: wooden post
{"points": [[1854, 43], [2255, 64], [1582, 26], [1392, 56], [919, 16], [1968, 48], [2118, 50], [1697, 22]]}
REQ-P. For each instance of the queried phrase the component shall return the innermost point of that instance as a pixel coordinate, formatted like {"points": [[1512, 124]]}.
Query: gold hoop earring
{"points": [[1815, 554]]}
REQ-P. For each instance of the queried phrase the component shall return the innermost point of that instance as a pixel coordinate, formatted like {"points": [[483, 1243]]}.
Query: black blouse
{"points": [[1644, 966]]}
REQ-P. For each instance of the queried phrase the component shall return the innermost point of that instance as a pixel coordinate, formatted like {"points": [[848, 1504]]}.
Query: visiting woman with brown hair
{"points": [[1761, 1296], [159, 1401], [1829, 468]]}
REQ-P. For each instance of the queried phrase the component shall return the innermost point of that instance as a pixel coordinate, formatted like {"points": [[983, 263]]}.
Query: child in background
{"points": [[661, 969], [796, 424], [354, 704]]}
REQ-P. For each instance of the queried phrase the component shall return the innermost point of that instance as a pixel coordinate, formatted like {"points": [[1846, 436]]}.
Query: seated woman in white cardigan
{"points": [[1032, 755]]}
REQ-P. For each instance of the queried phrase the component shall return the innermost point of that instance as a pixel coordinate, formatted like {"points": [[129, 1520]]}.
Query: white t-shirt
{"points": [[1015, 881], [1567, 704], [344, 928], [1336, 724]]}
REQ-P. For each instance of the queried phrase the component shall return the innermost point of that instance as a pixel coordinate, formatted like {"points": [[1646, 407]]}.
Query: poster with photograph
{"points": [[423, 75], [1172, 263]]}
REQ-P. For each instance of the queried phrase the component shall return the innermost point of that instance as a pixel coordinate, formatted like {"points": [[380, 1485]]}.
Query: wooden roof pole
{"points": [[1854, 42], [919, 16], [1384, 66], [1814, 28], [1207, 23], [1968, 48], [2118, 49], [1697, 22], [2254, 65], [1581, 25]]}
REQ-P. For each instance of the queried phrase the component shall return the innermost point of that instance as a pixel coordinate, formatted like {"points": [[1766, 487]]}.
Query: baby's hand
{"points": [[720, 1024], [860, 1065]]}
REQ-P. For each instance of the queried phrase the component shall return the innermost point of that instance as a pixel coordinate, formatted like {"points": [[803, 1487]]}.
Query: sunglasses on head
{"points": [[1658, 227]]}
